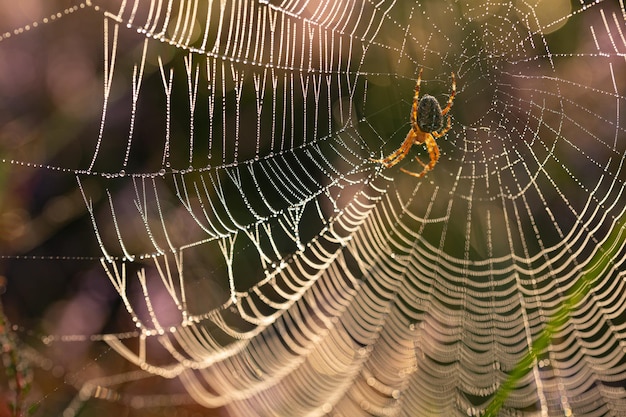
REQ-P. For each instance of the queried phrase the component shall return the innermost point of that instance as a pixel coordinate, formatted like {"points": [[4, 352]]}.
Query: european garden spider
{"points": [[426, 125]]}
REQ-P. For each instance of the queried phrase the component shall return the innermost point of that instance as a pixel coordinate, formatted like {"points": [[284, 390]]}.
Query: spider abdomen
{"points": [[429, 117]]}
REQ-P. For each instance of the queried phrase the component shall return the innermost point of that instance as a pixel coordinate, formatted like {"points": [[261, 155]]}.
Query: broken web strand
{"points": [[109, 65], [141, 204], [192, 84], [227, 248], [137, 78], [167, 86]]}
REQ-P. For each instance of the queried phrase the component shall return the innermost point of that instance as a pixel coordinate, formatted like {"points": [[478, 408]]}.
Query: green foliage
{"points": [[598, 265]]}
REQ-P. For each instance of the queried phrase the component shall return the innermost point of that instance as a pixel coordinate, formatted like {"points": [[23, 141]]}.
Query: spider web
{"points": [[192, 222]]}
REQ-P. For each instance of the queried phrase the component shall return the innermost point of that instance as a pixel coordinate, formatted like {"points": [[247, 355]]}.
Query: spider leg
{"points": [[444, 130], [433, 152], [451, 98], [416, 96], [399, 154]]}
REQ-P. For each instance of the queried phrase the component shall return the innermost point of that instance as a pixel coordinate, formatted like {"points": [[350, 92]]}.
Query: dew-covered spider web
{"points": [[192, 223]]}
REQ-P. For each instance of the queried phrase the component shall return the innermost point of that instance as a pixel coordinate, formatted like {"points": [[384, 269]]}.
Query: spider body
{"points": [[427, 118], [430, 115]]}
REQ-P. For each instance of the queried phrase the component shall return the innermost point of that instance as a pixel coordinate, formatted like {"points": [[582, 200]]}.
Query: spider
{"points": [[426, 125]]}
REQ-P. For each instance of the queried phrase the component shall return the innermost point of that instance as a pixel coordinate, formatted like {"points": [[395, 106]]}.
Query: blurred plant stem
{"points": [[599, 264], [16, 368]]}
